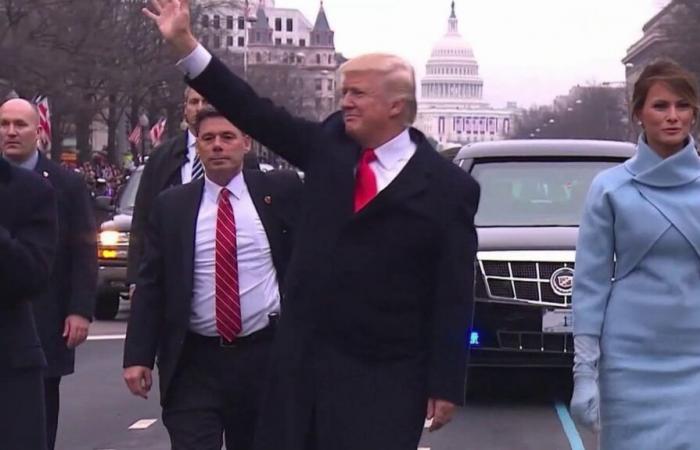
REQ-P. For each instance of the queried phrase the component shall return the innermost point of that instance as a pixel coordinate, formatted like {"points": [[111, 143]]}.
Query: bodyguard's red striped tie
{"points": [[228, 300]]}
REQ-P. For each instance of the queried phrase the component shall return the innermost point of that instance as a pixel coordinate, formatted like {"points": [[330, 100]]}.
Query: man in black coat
{"points": [[212, 371], [380, 286], [64, 311], [172, 163], [27, 246]]}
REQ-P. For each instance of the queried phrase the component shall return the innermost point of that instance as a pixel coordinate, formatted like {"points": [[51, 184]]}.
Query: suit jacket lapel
{"points": [[189, 212], [4, 171], [260, 193], [412, 180], [178, 153]]}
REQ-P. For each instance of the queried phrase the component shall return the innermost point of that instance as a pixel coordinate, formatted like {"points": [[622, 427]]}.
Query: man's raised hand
{"points": [[173, 20]]}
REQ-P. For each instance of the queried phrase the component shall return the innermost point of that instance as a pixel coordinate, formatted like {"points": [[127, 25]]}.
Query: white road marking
{"points": [[423, 448], [142, 424], [428, 423], [107, 337]]}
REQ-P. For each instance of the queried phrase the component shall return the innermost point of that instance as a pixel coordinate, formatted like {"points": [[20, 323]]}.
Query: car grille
{"points": [[536, 342], [527, 281]]}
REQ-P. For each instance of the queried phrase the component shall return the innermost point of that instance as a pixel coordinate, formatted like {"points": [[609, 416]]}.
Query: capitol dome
{"points": [[452, 72], [451, 108], [452, 46]]}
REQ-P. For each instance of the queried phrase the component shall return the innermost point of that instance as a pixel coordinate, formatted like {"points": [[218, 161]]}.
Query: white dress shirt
{"points": [[194, 64], [257, 278], [391, 156], [29, 164], [186, 169]]}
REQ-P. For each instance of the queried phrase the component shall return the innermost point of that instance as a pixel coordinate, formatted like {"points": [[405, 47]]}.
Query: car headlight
{"points": [[111, 238]]}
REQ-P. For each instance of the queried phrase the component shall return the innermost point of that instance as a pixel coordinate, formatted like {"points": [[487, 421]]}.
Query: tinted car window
{"points": [[537, 193], [128, 197]]}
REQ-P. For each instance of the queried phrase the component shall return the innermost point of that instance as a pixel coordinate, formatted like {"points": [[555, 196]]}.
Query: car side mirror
{"points": [[104, 203]]}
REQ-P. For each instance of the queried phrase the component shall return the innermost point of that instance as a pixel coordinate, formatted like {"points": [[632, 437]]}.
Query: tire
{"points": [[107, 305]]}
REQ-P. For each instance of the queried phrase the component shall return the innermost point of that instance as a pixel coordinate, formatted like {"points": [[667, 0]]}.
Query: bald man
{"points": [[64, 310], [27, 246]]}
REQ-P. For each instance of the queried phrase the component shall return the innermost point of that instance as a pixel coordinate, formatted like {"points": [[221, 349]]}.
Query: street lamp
{"points": [[248, 18], [143, 123]]}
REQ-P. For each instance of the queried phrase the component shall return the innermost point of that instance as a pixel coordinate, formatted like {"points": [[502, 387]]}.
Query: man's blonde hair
{"points": [[398, 76]]}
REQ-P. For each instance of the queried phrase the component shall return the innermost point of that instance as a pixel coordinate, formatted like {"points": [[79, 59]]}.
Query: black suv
{"points": [[532, 197], [113, 251]]}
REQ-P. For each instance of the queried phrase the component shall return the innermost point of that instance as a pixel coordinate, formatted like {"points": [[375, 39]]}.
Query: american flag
{"points": [[42, 105], [157, 131], [135, 136]]}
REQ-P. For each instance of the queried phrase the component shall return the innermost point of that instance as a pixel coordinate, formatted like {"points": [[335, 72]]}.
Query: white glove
{"points": [[585, 402]]}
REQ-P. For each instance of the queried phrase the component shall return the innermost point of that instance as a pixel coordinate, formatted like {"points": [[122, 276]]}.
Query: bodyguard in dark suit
{"points": [[27, 246], [379, 290], [208, 292], [64, 311], [172, 163]]}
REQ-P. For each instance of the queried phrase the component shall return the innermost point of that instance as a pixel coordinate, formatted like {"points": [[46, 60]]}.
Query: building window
{"points": [[278, 24], [330, 59], [205, 40], [217, 42], [290, 41], [258, 57], [290, 25], [217, 22], [229, 22], [241, 23], [302, 42], [318, 58], [330, 85], [278, 41], [319, 85], [241, 41], [229, 41], [205, 21]]}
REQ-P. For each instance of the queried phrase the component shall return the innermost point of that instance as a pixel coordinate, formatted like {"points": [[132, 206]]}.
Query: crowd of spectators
{"points": [[102, 177]]}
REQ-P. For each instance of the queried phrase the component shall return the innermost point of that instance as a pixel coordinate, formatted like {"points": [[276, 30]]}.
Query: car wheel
{"points": [[107, 305]]}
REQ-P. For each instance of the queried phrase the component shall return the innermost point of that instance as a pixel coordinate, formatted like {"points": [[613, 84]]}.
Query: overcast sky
{"points": [[529, 51]]}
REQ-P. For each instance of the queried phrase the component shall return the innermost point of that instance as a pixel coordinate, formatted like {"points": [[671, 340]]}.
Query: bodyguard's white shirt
{"points": [[186, 169], [391, 156], [257, 278]]}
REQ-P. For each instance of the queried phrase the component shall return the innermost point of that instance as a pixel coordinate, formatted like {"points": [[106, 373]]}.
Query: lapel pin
{"points": [[45, 174], [268, 200]]}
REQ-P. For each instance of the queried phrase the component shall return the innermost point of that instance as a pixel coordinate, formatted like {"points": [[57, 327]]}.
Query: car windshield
{"points": [[128, 196], [534, 193]]}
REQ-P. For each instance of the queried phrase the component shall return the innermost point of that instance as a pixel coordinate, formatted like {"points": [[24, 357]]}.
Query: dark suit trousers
{"points": [[52, 399], [22, 417], [216, 390]]}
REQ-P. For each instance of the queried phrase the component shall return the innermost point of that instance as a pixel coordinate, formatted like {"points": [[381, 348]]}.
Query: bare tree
{"points": [[598, 112]]}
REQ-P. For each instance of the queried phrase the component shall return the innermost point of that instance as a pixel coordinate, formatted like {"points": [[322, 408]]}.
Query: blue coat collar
{"points": [[650, 169]]}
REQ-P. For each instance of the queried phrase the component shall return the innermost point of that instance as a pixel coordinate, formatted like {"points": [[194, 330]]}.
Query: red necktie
{"points": [[365, 180], [228, 301]]}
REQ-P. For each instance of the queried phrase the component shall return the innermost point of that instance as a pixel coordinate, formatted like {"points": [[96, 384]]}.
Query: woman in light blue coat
{"points": [[636, 297]]}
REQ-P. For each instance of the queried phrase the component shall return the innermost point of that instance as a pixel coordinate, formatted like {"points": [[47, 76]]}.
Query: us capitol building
{"points": [[451, 108]]}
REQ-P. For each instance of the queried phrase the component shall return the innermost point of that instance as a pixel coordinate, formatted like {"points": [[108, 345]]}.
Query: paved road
{"points": [[514, 410]]}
